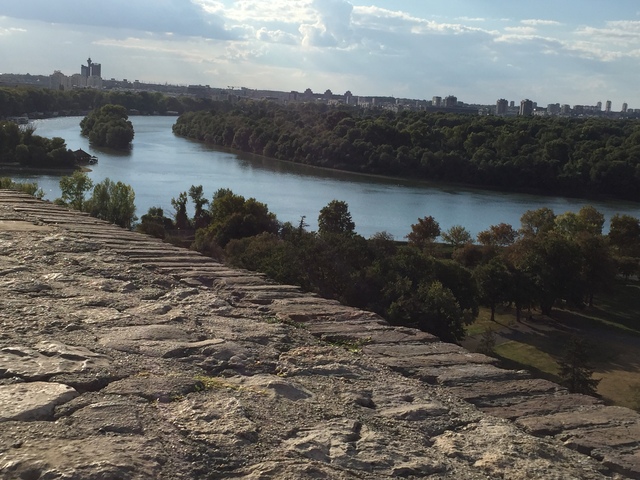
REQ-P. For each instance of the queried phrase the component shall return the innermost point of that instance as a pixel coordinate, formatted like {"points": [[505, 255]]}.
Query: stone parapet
{"points": [[124, 357]]}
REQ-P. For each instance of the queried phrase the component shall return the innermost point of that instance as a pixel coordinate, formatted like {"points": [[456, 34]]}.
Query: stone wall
{"points": [[123, 357]]}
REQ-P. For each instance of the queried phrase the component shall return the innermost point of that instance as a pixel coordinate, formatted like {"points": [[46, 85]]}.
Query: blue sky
{"points": [[479, 50]]}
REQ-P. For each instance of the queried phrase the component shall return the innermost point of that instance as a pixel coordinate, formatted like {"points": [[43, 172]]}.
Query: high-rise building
{"points": [[91, 69], [502, 106], [599, 106], [625, 107], [553, 108], [436, 102], [607, 107], [451, 101], [526, 107]]}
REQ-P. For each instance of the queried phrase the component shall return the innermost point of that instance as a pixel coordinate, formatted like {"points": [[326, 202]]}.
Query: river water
{"points": [[161, 165]]}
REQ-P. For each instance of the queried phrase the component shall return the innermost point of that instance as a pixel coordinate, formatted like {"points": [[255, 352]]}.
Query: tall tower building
{"points": [[607, 107], [625, 107], [436, 102], [501, 107], [91, 69], [451, 101], [526, 107]]}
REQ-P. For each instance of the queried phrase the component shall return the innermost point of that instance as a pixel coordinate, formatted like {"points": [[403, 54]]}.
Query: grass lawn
{"points": [[612, 327]]}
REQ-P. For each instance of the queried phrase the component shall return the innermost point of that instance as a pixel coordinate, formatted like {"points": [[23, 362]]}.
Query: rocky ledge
{"points": [[122, 357]]}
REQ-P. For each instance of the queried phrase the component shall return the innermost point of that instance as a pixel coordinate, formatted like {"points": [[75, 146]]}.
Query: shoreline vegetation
{"points": [[550, 265], [580, 158]]}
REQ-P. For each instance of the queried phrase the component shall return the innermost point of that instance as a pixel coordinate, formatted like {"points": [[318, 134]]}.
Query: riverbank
{"points": [[418, 182], [17, 169], [161, 165]]}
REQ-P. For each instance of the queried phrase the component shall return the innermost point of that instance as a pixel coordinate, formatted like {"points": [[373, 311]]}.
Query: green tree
{"points": [[155, 223], [554, 265], [534, 222], [233, 217], [335, 218], [108, 126], [575, 370], [113, 202], [457, 236], [432, 308], [73, 189], [424, 233], [180, 206], [201, 216], [494, 284], [501, 235], [624, 235]]}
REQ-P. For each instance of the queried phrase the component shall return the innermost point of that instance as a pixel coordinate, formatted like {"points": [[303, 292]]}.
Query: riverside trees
{"points": [[549, 259], [579, 157], [110, 201], [20, 144]]}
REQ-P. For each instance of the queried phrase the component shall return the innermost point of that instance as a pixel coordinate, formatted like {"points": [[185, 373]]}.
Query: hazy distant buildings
{"points": [[451, 101], [436, 102], [554, 109], [625, 107], [607, 107], [90, 76]]}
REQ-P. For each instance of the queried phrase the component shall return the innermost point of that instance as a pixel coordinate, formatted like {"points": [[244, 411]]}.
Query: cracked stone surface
{"points": [[122, 357]]}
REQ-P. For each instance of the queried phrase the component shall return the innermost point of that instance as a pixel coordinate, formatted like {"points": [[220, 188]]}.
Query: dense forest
{"points": [[19, 145], [20, 100], [554, 155]]}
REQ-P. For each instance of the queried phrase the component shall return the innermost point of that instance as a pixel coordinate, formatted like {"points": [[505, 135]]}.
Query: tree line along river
{"points": [[161, 165]]}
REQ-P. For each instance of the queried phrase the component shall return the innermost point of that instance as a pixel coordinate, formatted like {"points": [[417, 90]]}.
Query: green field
{"points": [[611, 326]]}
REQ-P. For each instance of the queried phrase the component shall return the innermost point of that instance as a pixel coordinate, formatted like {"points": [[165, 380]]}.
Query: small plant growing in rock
{"points": [[575, 371], [487, 343]]}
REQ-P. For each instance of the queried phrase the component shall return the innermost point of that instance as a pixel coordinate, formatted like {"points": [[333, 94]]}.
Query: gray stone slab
{"points": [[48, 358], [540, 405], [482, 392], [32, 401], [578, 418]]}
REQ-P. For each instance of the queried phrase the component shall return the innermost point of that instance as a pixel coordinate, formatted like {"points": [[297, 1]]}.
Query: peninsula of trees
{"points": [[20, 146], [553, 155]]}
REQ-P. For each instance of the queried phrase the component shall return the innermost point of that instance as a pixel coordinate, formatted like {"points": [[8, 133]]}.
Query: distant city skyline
{"points": [[477, 50]]}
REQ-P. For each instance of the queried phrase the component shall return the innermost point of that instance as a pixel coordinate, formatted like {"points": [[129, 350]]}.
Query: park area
{"points": [[538, 342]]}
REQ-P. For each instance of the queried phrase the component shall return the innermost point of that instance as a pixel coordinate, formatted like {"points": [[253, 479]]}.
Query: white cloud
{"points": [[528, 31], [537, 22], [271, 11], [276, 36], [469, 19], [11, 31], [406, 49]]}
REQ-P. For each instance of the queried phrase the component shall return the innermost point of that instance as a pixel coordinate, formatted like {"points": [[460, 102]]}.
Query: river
{"points": [[161, 165]]}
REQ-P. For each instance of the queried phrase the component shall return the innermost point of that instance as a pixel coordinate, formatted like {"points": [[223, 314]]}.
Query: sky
{"points": [[550, 51]]}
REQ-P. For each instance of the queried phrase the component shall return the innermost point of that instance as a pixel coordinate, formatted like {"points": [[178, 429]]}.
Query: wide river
{"points": [[161, 165]]}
